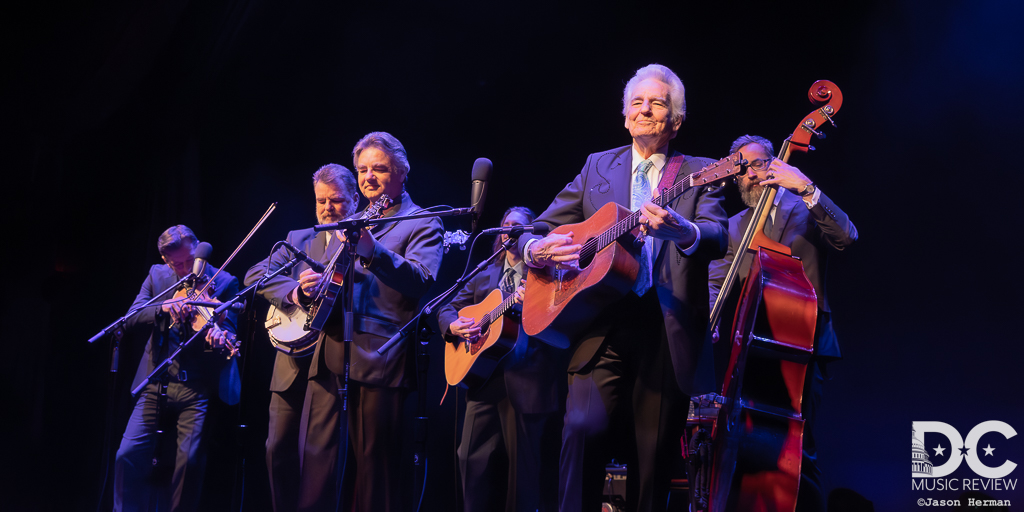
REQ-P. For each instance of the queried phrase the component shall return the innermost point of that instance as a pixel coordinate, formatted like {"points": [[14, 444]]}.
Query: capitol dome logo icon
{"points": [[922, 467]]}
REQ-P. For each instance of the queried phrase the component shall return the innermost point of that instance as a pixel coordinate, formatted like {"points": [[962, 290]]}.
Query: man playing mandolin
{"points": [[811, 225], [632, 367], [301, 390], [397, 263]]}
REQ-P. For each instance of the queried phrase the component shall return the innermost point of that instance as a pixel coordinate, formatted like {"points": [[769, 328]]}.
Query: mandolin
{"points": [[327, 292]]}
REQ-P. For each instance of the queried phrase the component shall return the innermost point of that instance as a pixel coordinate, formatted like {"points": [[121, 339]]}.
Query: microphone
{"points": [[481, 171], [237, 307], [202, 252], [313, 264], [537, 228]]}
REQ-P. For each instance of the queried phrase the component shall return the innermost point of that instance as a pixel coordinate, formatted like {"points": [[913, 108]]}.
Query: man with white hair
{"points": [[633, 367]]}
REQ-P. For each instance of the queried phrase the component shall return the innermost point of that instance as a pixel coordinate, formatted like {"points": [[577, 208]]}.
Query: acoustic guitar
{"points": [[470, 364], [559, 304]]}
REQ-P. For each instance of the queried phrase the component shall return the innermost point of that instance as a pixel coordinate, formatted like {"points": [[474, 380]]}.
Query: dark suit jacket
{"points": [[680, 280], [208, 369], [810, 234], [533, 374], [406, 258], [287, 368], [405, 261]]}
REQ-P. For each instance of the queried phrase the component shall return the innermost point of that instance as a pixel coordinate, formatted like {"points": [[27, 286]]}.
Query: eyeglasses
{"points": [[759, 164]]}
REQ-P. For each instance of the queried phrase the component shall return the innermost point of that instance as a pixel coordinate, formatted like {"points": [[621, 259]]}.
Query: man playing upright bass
{"points": [[811, 225]]}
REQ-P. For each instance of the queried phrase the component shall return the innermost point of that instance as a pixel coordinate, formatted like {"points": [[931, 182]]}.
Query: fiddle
{"points": [[198, 316]]}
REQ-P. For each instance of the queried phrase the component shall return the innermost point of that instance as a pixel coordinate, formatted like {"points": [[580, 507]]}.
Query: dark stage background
{"points": [[123, 118]]}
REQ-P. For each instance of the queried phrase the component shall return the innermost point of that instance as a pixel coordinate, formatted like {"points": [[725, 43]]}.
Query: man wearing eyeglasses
{"points": [[811, 225], [177, 405]]}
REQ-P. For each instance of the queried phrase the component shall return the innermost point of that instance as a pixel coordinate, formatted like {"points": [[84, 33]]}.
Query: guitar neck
{"points": [[498, 311]]}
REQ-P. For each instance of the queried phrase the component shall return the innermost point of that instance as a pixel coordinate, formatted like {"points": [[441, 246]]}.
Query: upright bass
{"points": [[758, 437]]}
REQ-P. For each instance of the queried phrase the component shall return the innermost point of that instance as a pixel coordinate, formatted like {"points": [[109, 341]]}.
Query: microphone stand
{"points": [[423, 356], [353, 229], [117, 327], [361, 223], [513, 236], [160, 370]]}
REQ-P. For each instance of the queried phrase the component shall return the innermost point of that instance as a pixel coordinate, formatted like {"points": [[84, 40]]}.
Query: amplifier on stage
{"points": [[614, 488]]}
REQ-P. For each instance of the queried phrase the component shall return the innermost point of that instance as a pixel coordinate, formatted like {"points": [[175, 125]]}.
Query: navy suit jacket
{"points": [[534, 374], [809, 233], [207, 369], [680, 280]]}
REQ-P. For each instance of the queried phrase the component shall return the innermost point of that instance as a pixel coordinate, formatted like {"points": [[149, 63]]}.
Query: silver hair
{"points": [[752, 139], [387, 143], [339, 176], [676, 91]]}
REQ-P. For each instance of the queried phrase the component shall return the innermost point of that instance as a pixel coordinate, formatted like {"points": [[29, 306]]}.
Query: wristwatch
{"points": [[808, 190]]}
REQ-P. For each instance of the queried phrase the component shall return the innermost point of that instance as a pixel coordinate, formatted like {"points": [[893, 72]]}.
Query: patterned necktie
{"points": [[642, 194], [508, 281]]}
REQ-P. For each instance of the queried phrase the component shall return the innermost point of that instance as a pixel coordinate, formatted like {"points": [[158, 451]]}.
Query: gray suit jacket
{"points": [[680, 280], [809, 233]]}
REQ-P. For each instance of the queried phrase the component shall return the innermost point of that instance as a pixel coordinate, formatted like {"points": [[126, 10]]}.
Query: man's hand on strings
{"points": [[557, 251], [666, 224], [465, 328]]}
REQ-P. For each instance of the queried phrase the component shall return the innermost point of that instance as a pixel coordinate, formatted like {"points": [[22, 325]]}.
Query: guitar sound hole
{"points": [[586, 259]]}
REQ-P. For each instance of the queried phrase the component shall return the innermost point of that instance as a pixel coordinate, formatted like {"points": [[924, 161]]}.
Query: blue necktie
{"points": [[641, 195]]}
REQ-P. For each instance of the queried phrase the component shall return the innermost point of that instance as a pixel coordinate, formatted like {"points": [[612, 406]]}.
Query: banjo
{"points": [[286, 329]]}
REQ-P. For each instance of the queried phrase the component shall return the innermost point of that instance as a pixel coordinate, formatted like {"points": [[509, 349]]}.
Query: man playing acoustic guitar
{"points": [[633, 365], [516, 411]]}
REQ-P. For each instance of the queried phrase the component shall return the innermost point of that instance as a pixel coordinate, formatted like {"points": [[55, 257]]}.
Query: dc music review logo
{"points": [[981, 460]]}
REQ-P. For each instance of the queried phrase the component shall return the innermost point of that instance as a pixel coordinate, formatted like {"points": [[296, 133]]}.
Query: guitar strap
{"points": [[668, 178]]}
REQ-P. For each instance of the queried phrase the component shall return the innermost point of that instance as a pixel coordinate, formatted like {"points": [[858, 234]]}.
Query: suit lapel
{"points": [[318, 245], [494, 274], [785, 210], [621, 176]]}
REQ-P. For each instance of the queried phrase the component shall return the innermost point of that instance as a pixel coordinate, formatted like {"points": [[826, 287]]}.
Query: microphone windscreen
{"points": [[482, 169], [203, 251], [541, 228]]}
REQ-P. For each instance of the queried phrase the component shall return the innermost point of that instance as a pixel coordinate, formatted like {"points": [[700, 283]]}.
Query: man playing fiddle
{"points": [[184, 393]]}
